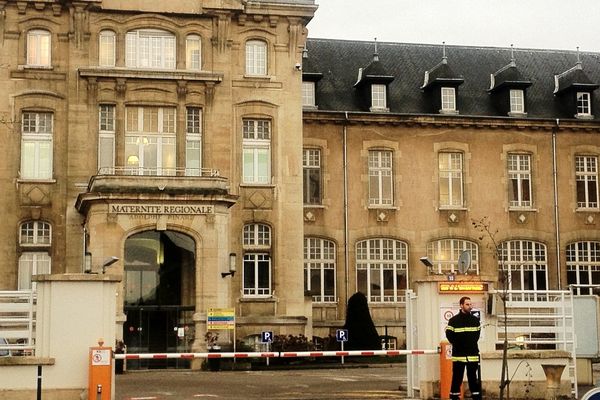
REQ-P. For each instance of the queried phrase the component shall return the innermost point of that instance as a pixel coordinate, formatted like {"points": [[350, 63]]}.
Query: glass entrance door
{"points": [[159, 297]]}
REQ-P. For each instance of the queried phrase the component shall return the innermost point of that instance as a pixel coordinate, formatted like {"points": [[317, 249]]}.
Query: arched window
{"points": [[319, 269], [150, 48], [35, 237], [444, 255], [583, 265], [256, 57], [381, 269], [525, 264], [257, 260], [106, 48], [193, 46], [39, 48]]}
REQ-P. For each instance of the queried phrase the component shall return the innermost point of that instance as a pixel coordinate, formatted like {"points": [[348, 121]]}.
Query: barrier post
{"points": [[446, 371], [100, 367]]}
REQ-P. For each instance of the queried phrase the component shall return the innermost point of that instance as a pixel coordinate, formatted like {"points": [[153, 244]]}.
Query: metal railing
{"points": [[17, 321], [159, 171]]}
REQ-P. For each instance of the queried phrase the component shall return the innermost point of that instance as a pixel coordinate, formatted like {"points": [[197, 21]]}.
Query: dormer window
{"points": [[448, 99], [584, 107], [517, 101], [308, 94], [378, 97]]}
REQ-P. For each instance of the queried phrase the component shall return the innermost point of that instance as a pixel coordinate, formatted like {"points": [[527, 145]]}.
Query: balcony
{"points": [[199, 181]]}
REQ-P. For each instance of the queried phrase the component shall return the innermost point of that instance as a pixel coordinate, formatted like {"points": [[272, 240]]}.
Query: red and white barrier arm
{"points": [[283, 354]]}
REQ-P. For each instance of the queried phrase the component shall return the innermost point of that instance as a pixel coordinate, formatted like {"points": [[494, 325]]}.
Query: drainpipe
{"points": [[346, 251], [556, 215]]}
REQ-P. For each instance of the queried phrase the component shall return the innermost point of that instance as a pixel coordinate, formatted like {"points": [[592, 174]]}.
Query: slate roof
{"points": [[442, 74], [340, 60], [509, 76]]}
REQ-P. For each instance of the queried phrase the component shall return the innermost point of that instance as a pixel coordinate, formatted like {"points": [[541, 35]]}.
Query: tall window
{"points": [[380, 178], [319, 269], [583, 265], [149, 48], [193, 142], [256, 57], [36, 145], [517, 101], [257, 260], [378, 97], [311, 163], [448, 99], [586, 174], [38, 48], [519, 175], [444, 255], [106, 138], [584, 106], [308, 94], [35, 238], [106, 49], [381, 269], [525, 264], [451, 179], [193, 54], [256, 151], [150, 140]]}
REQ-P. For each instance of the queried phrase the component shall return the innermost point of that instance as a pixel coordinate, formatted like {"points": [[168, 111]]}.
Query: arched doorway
{"points": [[159, 296]]}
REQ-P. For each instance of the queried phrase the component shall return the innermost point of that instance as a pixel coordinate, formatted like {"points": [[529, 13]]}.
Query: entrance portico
{"points": [[172, 238]]}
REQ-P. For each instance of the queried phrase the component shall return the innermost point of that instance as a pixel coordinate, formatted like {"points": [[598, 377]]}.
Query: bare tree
{"points": [[486, 231]]}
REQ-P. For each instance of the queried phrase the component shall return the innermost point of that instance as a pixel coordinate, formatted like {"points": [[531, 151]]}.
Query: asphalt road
{"points": [[373, 382]]}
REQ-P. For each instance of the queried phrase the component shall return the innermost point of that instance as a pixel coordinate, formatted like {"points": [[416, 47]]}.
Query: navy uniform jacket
{"points": [[463, 333]]}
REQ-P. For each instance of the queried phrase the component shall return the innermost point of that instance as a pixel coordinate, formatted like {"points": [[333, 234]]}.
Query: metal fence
{"points": [[17, 322]]}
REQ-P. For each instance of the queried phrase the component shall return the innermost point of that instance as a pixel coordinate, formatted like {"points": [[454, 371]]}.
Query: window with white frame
{"points": [[586, 175], [257, 260], [256, 57], [381, 269], [106, 138], [256, 151], [193, 142], [381, 189], [378, 97], [319, 269], [106, 48], [150, 140], [517, 101], [451, 179], [150, 48], [193, 46], [311, 165], [35, 233], [583, 265], [308, 94], [519, 176], [35, 237], [584, 104], [39, 49], [32, 263], [448, 99], [36, 145], [523, 264], [444, 255]]}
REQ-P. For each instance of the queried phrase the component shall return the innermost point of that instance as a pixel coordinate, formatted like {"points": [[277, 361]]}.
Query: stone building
{"points": [[212, 156]]}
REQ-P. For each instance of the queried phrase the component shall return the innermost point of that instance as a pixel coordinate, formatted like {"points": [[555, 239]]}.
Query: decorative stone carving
{"points": [[78, 23], [121, 86], [182, 89], [56, 10], [221, 31], [295, 32], [522, 218], [382, 216], [453, 218], [273, 20], [2, 21], [39, 5], [209, 92], [34, 195], [589, 220], [92, 87], [309, 216], [242, 19], [21, 6]]}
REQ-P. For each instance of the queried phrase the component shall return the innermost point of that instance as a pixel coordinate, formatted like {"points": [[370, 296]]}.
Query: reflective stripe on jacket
{"points": [[463, 333]]}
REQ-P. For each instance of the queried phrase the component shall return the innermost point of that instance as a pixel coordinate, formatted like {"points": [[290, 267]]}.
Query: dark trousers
{"points": [[458, 372]]}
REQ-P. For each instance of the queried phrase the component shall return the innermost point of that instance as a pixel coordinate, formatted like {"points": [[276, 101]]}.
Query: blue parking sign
{"points": [[266, 337], [341, 335]]}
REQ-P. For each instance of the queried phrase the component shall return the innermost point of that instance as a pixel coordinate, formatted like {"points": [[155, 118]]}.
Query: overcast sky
{"points": [[543, 24]]}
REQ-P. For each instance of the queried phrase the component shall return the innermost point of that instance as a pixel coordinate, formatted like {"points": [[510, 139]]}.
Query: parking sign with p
{"points": [[341, 335], [266, 337]]}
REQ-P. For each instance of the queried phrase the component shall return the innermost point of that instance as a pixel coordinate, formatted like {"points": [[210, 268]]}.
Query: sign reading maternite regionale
{"points": [[220, 318]]}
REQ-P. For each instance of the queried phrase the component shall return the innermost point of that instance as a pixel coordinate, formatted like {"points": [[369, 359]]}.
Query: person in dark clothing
{"points": [[362, 334], [463, 333]]}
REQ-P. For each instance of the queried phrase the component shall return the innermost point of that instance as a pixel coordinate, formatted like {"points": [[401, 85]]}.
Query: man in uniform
{"points": [[463, 333]]}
